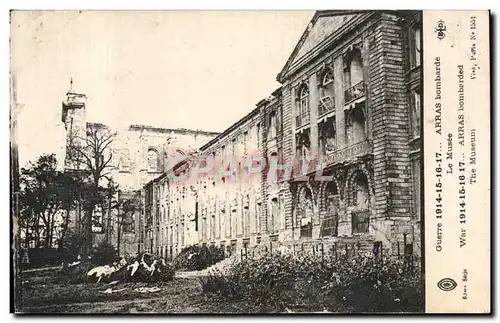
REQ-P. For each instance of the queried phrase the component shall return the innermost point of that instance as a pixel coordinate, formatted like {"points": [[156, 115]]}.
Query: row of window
{"points": [[228, 223], [359, 200], [355, 132], [352, 79], [353, 89], [153, 161]]}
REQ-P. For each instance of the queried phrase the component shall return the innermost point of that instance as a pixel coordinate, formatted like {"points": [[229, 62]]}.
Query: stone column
{"points": [[338, 70]]}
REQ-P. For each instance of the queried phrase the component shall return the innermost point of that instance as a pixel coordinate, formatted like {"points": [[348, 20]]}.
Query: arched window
{"points": [[271, 132], [356, 68], [304, 213], [327, 78], [153, 161], [356, 126], [360, 193], [304, 100], [326, 93], [330, 222], [303, 106], [353, 76], [273, 165], [360, 199]]}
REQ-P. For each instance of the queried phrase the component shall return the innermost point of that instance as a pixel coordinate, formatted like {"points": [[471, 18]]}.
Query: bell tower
{"points": [[75, 123]]}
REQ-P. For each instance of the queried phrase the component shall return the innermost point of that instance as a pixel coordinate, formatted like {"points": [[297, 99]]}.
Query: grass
{"points": [[43, 292]]}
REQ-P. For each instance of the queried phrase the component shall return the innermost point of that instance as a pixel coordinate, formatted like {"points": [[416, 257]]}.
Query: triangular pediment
{"points": [[322, 26]]}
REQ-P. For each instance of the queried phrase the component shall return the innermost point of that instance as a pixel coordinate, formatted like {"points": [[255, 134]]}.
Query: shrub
{"points": [[198, 258], [71, 245], [104, 253], [163, 272], [357, 284], [76, 273]]}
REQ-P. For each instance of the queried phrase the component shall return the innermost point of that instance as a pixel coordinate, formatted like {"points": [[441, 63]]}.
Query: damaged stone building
{"points": [[338, 143], [137, 154]]}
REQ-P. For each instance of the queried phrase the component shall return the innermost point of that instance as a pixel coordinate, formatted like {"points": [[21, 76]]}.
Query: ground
{"points": [[43, 292]]}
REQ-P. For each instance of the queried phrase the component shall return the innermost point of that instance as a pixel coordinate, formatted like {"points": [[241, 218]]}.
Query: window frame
{"points": [[326, 92], [157, 160], [272, 131], [415, 113], [327, 72], [416, 164], [415, 46], [303, 104]]}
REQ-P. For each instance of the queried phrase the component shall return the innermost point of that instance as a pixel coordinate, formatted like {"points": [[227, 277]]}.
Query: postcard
{"points": [[250, 162]]}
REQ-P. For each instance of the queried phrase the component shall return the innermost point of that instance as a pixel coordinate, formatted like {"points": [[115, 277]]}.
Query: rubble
{"points": [[144, 268], [147, 289]]}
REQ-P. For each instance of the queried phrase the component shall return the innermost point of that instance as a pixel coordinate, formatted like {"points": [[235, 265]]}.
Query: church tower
{"points": [[75, 123]]}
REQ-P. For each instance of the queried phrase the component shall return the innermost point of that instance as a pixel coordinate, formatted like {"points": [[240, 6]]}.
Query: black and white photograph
{"points": [[217, 162]]}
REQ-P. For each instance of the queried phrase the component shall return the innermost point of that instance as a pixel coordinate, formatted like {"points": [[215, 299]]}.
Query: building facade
{"points": [[335, 151]]}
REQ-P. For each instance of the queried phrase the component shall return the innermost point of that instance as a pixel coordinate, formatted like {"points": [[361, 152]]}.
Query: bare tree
{"points": [[91, 157]]}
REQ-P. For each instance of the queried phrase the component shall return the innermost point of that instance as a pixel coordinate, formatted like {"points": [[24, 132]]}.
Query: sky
{"points": [[175, 69]]}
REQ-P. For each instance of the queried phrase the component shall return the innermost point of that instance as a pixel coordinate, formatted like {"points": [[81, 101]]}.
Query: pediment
{"points": [[322, 26]]}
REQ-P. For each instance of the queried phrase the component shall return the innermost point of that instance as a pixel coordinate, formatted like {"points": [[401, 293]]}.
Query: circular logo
{"points": [[447, 284], [440, 29]]}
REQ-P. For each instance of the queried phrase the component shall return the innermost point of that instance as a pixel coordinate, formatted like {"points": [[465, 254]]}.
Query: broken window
{"points": [[353, 76], [240, 216], [415, 50], [361, 200], [415, 114], [257, 135], [329, 224], [196, 216], [281, 218], [327, 136], [361, 196], [204, 228], [233, 146], [223, 152], [271, 132], [273, 168], [415, 165], [233, 222], [273, 227], [245, 142], [246, 216], [356, 130], [125, 160], [302, 116], [153, 161], [326, 93], [304, 213], [303, 143], [258, 212]]}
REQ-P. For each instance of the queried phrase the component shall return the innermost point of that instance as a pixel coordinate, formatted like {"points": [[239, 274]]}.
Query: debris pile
{"points": [[144, 268]]}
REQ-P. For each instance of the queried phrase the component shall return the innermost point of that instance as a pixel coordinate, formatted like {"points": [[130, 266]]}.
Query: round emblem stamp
{"points": [[447, 284]]}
